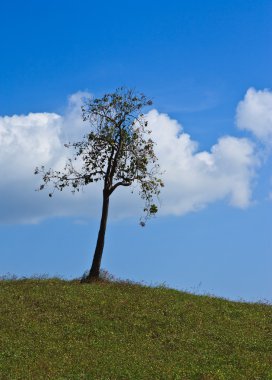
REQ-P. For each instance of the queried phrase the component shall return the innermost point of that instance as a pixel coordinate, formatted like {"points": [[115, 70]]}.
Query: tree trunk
{"points": [[95, 268]]}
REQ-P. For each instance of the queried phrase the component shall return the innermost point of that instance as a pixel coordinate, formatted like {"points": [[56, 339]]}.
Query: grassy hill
{"points": [[54, 329]]}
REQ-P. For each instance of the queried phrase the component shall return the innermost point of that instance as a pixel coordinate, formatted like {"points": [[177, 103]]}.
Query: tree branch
{"points": [[109, 168], [121, 183], [95, 112]]}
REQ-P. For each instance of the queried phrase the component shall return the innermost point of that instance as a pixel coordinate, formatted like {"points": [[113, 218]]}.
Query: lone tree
{"points": [[118, 150]]}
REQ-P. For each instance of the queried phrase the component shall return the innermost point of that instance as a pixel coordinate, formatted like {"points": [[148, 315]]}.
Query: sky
{"points": [[207, 68]]}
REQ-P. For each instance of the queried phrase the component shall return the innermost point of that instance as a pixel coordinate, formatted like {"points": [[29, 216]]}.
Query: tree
{"points": [[117, 150]]}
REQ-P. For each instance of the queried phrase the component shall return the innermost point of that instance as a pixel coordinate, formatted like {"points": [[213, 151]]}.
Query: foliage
{"points": [[117, 150], [53, 329]]}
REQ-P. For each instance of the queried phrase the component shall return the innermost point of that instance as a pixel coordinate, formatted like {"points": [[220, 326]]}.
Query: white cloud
{"points": [[27, 141], [192, 179], [73, 127], [254, 113]]}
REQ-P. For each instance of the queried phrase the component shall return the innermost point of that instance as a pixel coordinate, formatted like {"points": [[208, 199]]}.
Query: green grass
{"points": [[54, 329]]}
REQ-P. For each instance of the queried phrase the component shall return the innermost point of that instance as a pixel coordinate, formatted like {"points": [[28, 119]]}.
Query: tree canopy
{"points": [[117, 150]]}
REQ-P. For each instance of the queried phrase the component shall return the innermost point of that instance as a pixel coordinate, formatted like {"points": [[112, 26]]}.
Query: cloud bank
{"points": [[193, 178]]}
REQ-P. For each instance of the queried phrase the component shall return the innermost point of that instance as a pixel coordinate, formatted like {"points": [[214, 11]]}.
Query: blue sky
{"points": [[206, 65]]}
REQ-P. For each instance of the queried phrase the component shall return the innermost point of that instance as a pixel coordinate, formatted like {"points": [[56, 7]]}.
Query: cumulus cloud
{"points": [[27, 141], [73, 127], [254, 113], [192, 178]]}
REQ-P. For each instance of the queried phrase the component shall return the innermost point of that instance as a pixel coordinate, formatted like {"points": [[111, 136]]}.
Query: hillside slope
{"points": [[54, 329]]}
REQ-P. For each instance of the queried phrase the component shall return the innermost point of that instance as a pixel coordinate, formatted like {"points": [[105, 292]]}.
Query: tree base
{"points": [[89, 279]]}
